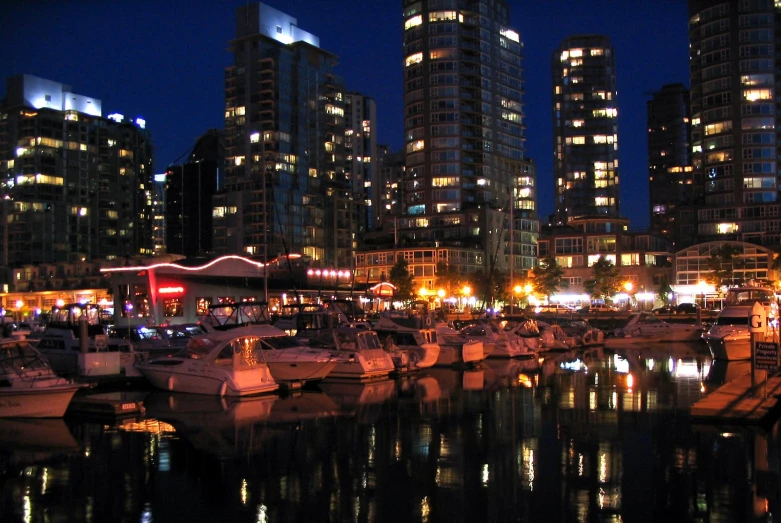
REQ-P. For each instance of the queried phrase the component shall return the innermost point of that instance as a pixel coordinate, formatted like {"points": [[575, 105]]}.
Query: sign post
{"points": [[757, 326]]}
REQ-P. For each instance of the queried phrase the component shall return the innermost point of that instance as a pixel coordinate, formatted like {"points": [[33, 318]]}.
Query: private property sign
{"points": [[766, 356]]}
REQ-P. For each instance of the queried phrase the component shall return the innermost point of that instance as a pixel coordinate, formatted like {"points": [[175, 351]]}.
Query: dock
{"points": [[735, 403]]}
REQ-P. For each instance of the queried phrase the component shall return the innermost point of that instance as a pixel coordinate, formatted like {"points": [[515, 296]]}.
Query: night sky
{"points": [[164, 60]]}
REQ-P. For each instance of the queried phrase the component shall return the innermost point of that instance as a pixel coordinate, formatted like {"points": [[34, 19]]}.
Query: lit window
{"points": [[412, 22], [414, 59]]}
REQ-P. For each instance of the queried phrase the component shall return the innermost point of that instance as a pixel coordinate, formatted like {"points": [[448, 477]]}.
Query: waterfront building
{"points": [[733, 58], [670, 173], [76, 185], [285, 188], [465, 171], [585, 129], [388, 185]]}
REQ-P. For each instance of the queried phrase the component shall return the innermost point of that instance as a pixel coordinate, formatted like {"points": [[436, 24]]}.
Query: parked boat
{"points": [[361, 354], [411, 340], [645, 327], [28, 386], [455, 348], [65, 347], [728, 338], [221, 363], [501, 344], [581, 333]]}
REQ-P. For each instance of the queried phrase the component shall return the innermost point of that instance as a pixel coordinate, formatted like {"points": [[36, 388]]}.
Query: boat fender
{"points": [[427, 321], [170, 383], [224, 388]]}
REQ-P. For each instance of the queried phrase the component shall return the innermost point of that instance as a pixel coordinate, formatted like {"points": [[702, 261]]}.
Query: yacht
{"points": [[455, 348], [360, 353], [412, 340], [500, 343], [222, 363], [29, 388], [645, 327], [728, 338], [290, 360]]}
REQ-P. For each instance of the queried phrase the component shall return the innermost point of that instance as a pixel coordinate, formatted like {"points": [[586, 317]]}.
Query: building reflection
{"points": [[604, 436]]}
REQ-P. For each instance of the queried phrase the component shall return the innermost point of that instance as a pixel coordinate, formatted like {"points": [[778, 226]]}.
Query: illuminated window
{"points": [[753, 95], [442, 16], [172, 307], [510, 35], [413, 22], [413, 59]]}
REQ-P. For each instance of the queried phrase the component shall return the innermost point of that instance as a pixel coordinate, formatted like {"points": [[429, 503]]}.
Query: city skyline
{"points": [[116, 52]]}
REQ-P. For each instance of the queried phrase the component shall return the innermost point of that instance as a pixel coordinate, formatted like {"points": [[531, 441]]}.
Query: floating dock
{"points": [[737, 403]]}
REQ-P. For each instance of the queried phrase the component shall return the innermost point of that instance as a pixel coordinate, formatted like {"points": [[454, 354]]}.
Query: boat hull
{"points": [[301, 370], [365, 364], [49, 402], [730, 347], [188, 377]]}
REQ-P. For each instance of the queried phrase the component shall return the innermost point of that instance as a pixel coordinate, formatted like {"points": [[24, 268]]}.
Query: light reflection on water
{"points": [[583, 436]]}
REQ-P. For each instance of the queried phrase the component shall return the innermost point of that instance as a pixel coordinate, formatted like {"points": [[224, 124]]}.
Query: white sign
{"points": [[757, 318]]}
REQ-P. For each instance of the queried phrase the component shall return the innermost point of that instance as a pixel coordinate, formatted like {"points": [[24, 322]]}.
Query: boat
{"points": [[500, 343], [455, 348], [645, 327], [222, 363], [75, 342], [411, 339], [728, 338], [29, 388], [580, 333], [290, 360], [360, 353]]}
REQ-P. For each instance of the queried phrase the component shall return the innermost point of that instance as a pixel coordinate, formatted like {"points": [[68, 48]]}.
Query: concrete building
{"points": [[286, 188], [733, 58], [362, 157], [670, 173], [585, 129], [76, 185], [464, 133]]}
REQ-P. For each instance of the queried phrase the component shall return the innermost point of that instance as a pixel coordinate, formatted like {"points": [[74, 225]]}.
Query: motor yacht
{"points": [[500, 343], [411, 339], [222, 363], [28, 386], [645, 327], [290, 360], [360, 353], [455, 348], [728, 338]]}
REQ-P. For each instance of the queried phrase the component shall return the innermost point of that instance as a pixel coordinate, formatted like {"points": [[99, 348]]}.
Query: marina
{"points": [[587, 434]]}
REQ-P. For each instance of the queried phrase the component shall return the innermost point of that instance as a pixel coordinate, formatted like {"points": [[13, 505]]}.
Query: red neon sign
{"points": [[170, 290]]}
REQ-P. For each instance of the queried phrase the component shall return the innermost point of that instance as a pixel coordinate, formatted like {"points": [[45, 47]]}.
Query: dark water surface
{"points": [[603, 436]]}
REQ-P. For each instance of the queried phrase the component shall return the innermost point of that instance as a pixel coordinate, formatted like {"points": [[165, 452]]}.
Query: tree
{"points": [[548, 277], [402, 280], [448, 278], [664, 291], [606, 282], [491, 287], [722, 264]]}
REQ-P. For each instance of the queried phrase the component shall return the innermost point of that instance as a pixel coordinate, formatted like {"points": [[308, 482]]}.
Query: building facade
{"points": [[362, 157], [76, 185], [285, 188], [585, 129], [671, 185], [464, 132], [733, 58]]}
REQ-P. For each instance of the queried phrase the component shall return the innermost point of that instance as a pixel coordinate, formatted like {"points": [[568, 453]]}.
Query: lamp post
{"points": [[466, 291], [628, 286]]}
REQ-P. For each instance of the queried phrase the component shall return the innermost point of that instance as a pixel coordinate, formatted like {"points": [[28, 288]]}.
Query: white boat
{"points": [[29, 388], [68, 352], [645, 327], [412, 340], [360, 353], [290, 360], [729, 338], [220, 363], [580, 333], [455, 348], [500, 343]]}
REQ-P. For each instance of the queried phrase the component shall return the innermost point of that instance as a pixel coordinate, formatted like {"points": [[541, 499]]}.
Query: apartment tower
{"points": [[76, 185], [466, 180], [285, 189], [585, 130], [670, 174], [733, 58]]}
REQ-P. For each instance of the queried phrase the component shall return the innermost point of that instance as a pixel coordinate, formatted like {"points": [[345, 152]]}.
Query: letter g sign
{"points": [[756, 318]]}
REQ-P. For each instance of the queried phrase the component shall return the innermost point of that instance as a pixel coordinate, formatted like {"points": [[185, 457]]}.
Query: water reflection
{"points": [[598, 435]]}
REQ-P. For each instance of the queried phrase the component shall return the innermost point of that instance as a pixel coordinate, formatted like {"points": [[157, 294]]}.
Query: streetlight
{"points": [[628, 286], [466, 291]]}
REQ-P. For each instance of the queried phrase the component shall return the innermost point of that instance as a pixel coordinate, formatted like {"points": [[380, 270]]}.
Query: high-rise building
{"points": [[76, 185], [464, 132], [733, 58], [670, 174], [360, 148], [585, 129], [188, 191], [285, 184]]}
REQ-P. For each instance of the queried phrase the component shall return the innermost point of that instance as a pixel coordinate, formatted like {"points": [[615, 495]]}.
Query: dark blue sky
{"points": [[164, 60]]}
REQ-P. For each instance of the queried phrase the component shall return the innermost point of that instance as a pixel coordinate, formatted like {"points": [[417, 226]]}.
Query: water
{"points": [[603, 436]]}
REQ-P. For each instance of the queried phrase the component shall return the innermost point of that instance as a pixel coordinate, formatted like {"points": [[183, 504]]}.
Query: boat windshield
{"points": [[748, 296], [22, 356]]}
